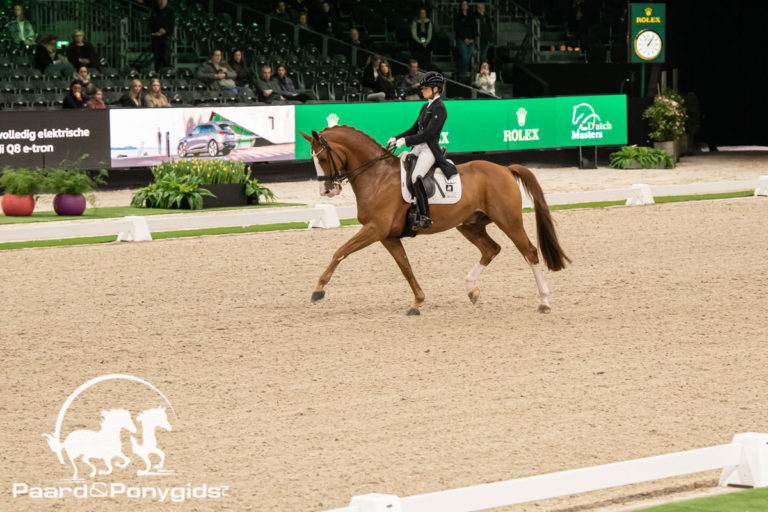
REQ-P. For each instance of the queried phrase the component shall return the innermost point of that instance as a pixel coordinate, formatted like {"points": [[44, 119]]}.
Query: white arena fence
{"points": [[139, 228], [744, 462]]}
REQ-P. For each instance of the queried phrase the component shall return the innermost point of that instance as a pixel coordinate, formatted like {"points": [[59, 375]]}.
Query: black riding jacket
{"points": [[427, 129]]}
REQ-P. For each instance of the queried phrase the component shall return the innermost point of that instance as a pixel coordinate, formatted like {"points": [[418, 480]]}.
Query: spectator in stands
{"points": [[410, 83], [286, 87], [216, 73], [465, 29], [421, 36], [161, 24], [485, 79], [81, 52], [281, 13], [50, 61], [385, 83], [303, 20], [268, 87], [296, 8], [75, 98], [244, 76], [96, 101], [134, 98], [84, 78], [577, 23], [20, 29], [371, 70], [155, 97], [353, 37], [325, 20], [485, 33]]}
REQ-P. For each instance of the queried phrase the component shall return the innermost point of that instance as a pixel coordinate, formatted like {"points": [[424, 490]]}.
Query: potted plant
{"points": [[666, 117], [171, 190], [634, 157], [71, 187], [254, 190], [20, 187]]}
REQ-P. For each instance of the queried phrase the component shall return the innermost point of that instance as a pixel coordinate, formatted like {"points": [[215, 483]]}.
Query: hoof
{"points": [[474, 294], [413, 312], [316, 296], [543, 308]]}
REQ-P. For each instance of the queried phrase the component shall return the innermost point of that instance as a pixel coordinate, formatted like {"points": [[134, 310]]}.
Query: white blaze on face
{"points": [[320, 174]]}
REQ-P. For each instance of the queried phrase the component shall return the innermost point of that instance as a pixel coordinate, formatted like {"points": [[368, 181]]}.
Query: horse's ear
{"points": [[315, 135], [307, 137]]}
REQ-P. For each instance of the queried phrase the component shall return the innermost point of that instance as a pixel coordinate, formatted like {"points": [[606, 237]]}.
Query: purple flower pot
{"points": [[69, 204]]}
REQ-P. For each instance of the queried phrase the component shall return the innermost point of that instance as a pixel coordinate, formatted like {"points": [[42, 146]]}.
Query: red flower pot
{"points": [[69, 204], [18, 206]]}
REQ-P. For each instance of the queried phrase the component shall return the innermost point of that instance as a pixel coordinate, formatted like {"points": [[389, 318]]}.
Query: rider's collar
{"points": [[433, 98]]}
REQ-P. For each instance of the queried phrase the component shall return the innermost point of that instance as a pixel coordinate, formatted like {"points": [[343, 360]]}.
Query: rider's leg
{"points": [[424, 162]]}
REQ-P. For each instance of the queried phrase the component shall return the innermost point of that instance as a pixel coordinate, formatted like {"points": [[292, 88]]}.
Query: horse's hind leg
{"points": [[474, 231], [363, 238], [396, 249]]}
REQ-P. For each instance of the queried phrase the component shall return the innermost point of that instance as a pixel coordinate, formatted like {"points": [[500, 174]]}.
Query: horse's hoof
{"points": [[543, 308], [413, 312], [316, 296], [474, 294]]}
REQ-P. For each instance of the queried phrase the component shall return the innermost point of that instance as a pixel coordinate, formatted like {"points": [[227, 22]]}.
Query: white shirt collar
{"points": [[433, 98]]}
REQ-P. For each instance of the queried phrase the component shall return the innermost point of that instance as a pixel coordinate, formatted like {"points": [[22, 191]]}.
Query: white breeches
{"points": [[424, 162]]}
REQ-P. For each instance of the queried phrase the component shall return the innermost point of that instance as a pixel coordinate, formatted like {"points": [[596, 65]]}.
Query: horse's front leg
{"points": [[365, 237], [396, 249]]}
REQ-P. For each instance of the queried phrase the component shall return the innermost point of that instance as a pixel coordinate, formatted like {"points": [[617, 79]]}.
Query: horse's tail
{"points": [[55, 446], [553, 254]]}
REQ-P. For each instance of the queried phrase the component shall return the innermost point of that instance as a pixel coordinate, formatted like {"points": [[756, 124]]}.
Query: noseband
{"points": [[336, 176]]}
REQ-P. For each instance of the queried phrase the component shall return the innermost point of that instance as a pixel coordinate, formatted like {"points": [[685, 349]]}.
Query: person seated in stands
{"points": [[155, 97], [20, 30], [325, 19], [134, 98], [75, 98], [281, 12], [49, 61], [286, 87], [96, 101], [385, 84], [485, 79], [84, 78], [354, 38], [244, 76], [421, 35], [216, 73], [268, 87], [371, 70], [303, 20], [81, 52], [410, 83]]}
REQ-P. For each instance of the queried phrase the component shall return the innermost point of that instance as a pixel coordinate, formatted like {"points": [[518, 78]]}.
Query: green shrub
{"points": [[666, 116], [255, 191], [171, 190], [20, 182], [648, 158], [210, 172], [71, 181]]}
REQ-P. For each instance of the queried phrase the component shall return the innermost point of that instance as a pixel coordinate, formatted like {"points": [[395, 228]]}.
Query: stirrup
{"points": [[422, 222]]}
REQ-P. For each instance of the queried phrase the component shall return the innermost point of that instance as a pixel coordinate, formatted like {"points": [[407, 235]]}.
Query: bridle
{"points": [[337, 177]]}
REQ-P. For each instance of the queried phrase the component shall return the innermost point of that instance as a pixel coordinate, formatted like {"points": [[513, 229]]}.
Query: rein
{"points": [[338, 177]]}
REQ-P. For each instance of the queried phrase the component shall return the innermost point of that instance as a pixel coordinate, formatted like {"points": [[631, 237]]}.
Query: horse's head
{"points": [[330, 163], [118, 418], [154, 417]]}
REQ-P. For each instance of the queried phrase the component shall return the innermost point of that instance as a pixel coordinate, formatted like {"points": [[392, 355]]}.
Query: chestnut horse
{"points": [[490, 193]]}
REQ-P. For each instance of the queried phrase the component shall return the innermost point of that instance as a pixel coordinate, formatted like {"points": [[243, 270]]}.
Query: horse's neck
{"points": [[109, 430], [372, 177]]}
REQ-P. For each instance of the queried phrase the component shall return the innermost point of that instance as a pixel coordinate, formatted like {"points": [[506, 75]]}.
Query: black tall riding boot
{"points": [[422, 220]]}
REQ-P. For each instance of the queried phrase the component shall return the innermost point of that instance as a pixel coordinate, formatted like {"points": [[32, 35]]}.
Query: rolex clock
{"points": [[648, 44], [645, 35]]}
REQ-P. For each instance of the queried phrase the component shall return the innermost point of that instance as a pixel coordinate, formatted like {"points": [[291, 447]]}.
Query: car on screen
{"points": [[212, 138]]}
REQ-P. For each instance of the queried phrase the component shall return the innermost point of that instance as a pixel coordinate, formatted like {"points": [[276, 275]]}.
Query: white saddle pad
{"points": [[446, 191]]}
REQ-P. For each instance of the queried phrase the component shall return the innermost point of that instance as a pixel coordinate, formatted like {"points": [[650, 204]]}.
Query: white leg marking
{"points": [[473, 276], [541, 284]]}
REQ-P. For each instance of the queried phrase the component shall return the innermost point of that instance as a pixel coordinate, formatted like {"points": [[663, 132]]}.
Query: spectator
{"points": [[244, 76], [96, 101], [155, 97], [485, 33], [303, 20], [161, 24], [577, 22], [20, 29], [371, 70], [75, 97], [81, 52], [268, 87], [354, 38], [50, 61], [84, 78], [297, 7], [485, 80], [421, 36], [465, 29], [216, 74], [411, 81], [281, 13], [134, 98], [286, 87], [385, 83], [325, 20]]}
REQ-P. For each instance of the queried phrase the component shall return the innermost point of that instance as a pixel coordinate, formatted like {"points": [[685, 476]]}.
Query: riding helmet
{"points": [[432, 79]]}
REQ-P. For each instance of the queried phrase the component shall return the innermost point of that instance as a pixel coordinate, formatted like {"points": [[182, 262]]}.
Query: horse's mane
{"points": [[361, 132]]}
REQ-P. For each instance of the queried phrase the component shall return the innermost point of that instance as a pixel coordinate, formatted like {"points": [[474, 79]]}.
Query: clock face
{"points": [[647, 44]]}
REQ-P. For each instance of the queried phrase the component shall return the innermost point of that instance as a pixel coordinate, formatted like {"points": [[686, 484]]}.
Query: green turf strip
{"points": [[294, 225], [751, 500]]}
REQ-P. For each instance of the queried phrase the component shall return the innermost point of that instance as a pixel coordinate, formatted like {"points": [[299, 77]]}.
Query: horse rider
{"points": [[423, 137]]}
